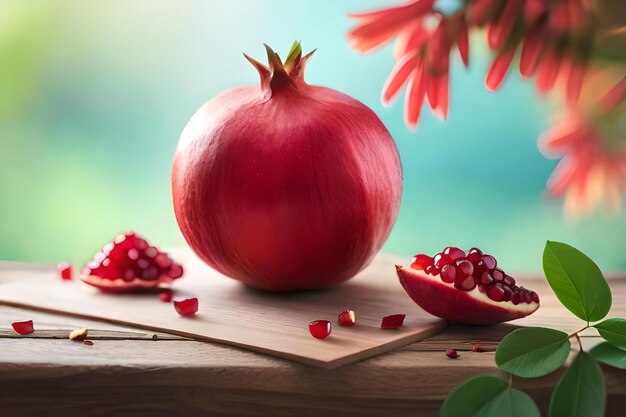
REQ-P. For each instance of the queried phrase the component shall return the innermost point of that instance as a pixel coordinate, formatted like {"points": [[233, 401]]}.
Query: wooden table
{"points": [[129, 370]]}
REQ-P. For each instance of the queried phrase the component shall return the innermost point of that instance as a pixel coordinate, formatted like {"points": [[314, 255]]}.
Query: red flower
{"points": [[424, 40], [593, 167], [555, 38]]}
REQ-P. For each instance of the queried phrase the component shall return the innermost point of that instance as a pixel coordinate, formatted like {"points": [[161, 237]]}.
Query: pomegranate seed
{"points": [[448, 272], [454, 253], [393, 321], [507, 293], [498, 275], [432, 270], [133, 254], [489, 262], [320, 329], [496, 293], [65, 270], [176, 271], [347, 318], [163, 261], [464, 267], [477, 348], [23, 327], [534, 297], [482, 288], [166, 296], [516, 298], [441, 260], [99, 257], [465, 284], [452, 354], [129, 275], [421, 262], [151, 252], [187, 307], [509, 280], [143, 263], [151, 273], [106, 249], [486, 278], [141, 244], [474, 255], [88, 342]]}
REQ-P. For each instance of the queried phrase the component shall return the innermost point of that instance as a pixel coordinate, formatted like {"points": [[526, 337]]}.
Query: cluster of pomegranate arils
{"points": [[321, 329], [130, 257], [474, 269]]}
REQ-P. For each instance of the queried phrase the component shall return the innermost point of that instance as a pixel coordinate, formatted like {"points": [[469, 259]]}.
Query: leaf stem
{"points": [[578, 331], [579, 343], [510, 380]]}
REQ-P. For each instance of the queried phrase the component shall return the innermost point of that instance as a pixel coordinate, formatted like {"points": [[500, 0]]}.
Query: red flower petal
{"points": [[531, 50], [23, 327], [462, 42], [380, 26], [614, 97], [498, 70], [501, 29], [398, 77], [559, 19], [410, 40], [575, 80], [534, 10], [547, 72], [480, 11], [440, 85], [438, 49], [415, 96]]}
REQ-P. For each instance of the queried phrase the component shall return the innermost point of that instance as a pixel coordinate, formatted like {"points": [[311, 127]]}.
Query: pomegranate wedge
{"points": [[466, 288]]}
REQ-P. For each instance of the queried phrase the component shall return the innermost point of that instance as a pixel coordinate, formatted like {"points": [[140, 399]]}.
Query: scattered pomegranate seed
{"points": [[187, 307], [452, 354], [477, 348], [23, 327], [421, 262], [166, 296], [393, 321], [88, 342], [320, 329], [65, 270], [80, 334], [347, 318]]}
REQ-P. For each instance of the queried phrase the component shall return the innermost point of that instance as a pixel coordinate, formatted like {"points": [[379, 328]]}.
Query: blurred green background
{"points": [[93, 96]]}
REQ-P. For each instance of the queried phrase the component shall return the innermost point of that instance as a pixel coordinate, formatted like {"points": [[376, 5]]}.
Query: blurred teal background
{"points": [[93, 96]]}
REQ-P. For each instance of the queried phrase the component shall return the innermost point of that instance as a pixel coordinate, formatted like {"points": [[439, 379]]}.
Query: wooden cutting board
{"points": [[231, 313]]}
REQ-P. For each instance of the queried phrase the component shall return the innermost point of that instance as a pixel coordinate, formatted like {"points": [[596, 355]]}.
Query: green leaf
{"points": [[296, 49], [613, 331], [580, 392], [577, 281], [488, 396], [609, 354], [532, 351]]}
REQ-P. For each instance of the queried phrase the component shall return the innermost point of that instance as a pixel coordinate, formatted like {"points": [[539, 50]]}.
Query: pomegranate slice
{"points": [[347, 318], [23, 327], [320, 329], [469, 290], [187, 307], [393, 321], [130, 263], [65, 270]]}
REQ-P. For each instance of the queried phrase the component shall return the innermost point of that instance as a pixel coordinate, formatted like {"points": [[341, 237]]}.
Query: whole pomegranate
{"points": [[286, 186]]}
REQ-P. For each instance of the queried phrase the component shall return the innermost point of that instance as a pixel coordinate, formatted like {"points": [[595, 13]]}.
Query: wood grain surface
{"points": [[231, 313], [128, 371]]}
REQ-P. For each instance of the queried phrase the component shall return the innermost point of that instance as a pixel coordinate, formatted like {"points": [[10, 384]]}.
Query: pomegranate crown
{"points": [[281, 74]]}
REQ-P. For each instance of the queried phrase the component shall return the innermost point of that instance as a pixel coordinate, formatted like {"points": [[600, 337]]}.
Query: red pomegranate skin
{"points": [[286, 186]]}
